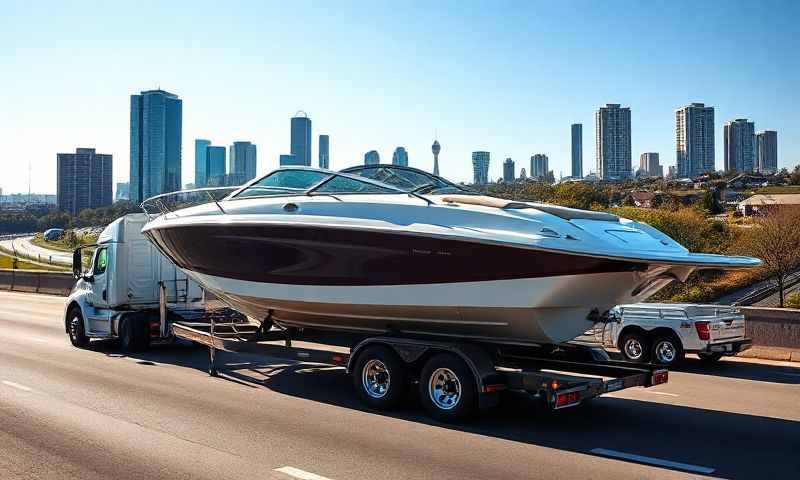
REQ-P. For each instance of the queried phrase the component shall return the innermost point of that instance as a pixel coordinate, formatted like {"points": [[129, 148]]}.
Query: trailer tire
{"points": [[134, 334], [380, 378], [667, 350], [447, 389], [709, 357], [76, 329], [635, 347]]}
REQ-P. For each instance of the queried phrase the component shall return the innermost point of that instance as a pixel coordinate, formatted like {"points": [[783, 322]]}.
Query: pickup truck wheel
{"points": [[447, 389], [635, 347], [75, 329], [380, 378], [667, 350], [711, 357]]}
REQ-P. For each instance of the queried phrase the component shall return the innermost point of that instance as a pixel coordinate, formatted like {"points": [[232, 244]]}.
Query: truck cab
{"points": [[128, 290], [663, 333]]}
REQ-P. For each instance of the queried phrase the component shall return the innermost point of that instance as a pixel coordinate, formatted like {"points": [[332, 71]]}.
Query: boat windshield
{"points": [[408, 179], [306, 181]]}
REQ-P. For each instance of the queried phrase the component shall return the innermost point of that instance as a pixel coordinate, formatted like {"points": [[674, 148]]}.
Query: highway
{"points": [[24, 247], [98, 414]]}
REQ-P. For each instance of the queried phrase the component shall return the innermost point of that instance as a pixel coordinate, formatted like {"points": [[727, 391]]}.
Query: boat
{"points": [[389, 249]]}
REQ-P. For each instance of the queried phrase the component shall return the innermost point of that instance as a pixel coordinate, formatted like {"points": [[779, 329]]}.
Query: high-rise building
{"points": [[740, 152], [400, 157], [372, 158], [480, 167], [83, 180], [694, 140], [508, 171], [215, 166], [289, 160], [300, 142], [156, 123], [672, 172], [436, 148], [613, 142], [121, 192], [539, 166], [767, 151], [577, 150], [324, 151], [242, 163], [649, 165], [201, 162]]}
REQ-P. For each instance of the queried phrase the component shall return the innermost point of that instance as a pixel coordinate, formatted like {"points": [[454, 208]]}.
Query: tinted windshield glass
{"points": [[282, 182], [351, 185], [407, 179]]}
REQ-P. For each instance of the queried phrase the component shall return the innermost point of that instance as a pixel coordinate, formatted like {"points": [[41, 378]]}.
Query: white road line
{"points": [[666, 394], [652, 461], [301, 474], [17, 386]]}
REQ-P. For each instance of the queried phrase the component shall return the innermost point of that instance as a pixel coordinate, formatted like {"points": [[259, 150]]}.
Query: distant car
{"points": [[664, 333], [53, 234]]}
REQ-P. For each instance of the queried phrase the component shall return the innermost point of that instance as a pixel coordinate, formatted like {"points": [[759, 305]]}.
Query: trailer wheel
{"points": [[667, 350], [447, 388], [380, 378], [76, 330], [635, 347], [709, 357], [134, 334]]}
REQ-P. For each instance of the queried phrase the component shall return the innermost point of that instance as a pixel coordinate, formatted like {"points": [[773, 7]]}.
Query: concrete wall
{"points": [[773, 327], [56, 283]]}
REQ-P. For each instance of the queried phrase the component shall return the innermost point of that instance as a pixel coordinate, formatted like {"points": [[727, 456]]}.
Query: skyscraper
{"points": [[694, 140], [649, 165], [539, 166], [400, 157], [436, 148], [613, 142], [300, 142], [767, 151], [201, 162], [156, 123], [480, 167], [739, 146], [372, 158], [288, 160], [242, 163], [324, 151], [83, 180], [577, 150], [215, 166], [508, 171]]}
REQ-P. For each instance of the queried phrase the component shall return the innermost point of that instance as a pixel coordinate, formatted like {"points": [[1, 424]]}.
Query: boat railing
{"points": [[167, 203]]}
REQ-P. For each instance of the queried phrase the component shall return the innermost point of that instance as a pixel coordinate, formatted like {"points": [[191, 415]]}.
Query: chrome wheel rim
{"points": [[633, 348], [375, 378], [665, 352], [73, 327], [444, 388]]}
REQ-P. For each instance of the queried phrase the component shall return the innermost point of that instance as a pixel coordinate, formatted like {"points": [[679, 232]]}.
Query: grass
{"points": [[63, 245], [8, 262], [777, 189]]}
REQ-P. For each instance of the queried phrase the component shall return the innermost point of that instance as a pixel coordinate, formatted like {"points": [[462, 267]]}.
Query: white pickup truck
{"points": [[663, 333]]}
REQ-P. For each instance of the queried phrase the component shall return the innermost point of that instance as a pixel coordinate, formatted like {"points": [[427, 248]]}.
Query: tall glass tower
{"points": [[480, 167], [577, 150], [201, 162], [156, 123], [400, 157], [300, 142], [324, 151]]}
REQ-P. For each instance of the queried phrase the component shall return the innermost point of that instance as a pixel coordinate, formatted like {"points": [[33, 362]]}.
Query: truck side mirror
{"points": [[77, 264]]}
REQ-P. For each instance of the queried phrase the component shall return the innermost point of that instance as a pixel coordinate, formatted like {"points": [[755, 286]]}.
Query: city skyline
{"points": [[472, 110]]}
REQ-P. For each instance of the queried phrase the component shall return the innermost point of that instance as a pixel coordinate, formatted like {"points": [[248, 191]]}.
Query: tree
{"points": [[794, 178], [775, 239]]}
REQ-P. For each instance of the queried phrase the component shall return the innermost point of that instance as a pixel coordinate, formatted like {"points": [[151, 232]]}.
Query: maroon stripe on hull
{"points": [[306, 255]]}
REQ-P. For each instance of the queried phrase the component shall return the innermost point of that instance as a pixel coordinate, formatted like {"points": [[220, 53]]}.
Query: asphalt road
{"points": [[24, 246], [69, 413]]}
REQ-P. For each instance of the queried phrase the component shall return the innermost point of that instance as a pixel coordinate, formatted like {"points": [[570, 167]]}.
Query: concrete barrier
{"points": [[773, 327], [38, 281]]}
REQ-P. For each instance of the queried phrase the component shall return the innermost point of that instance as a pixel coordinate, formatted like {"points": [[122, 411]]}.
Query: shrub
{"points": [[793, 300]]}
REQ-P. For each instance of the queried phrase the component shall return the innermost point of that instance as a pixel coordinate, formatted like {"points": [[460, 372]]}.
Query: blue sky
{"points": [[507, 77]]}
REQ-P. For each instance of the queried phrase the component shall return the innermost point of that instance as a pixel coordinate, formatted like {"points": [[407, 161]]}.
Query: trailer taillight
{"points": [[703, 330], [659, 377], [565, 399]]}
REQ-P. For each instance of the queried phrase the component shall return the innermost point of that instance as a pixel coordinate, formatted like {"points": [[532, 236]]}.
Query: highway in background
{"points": [[99, 414], [24, 247]]}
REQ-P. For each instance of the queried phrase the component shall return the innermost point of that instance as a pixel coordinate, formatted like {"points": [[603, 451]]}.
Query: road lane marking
{"points": [[652, 461], [301, 474], [17, 386], [666, 394]]}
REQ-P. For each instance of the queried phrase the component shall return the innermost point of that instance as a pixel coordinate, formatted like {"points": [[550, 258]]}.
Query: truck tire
{"points": [[667, 350], [76, 330], [447, 389], [709, 357], [134, 334], [635, 347], [380, 378]]}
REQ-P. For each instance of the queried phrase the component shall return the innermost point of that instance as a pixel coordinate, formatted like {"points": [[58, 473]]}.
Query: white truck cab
{"points": [[663, 333], [128, 290]]}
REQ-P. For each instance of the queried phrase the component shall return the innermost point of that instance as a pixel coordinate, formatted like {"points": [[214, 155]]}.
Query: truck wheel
{"points": [[447, 388], [75, 329], [635, 347], [380, 378], [134, 335], [667, 350], [711, 357]]}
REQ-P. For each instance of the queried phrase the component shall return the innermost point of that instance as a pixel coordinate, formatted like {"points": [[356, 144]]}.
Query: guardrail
{"points": [[36, 281], [767, 291]]}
